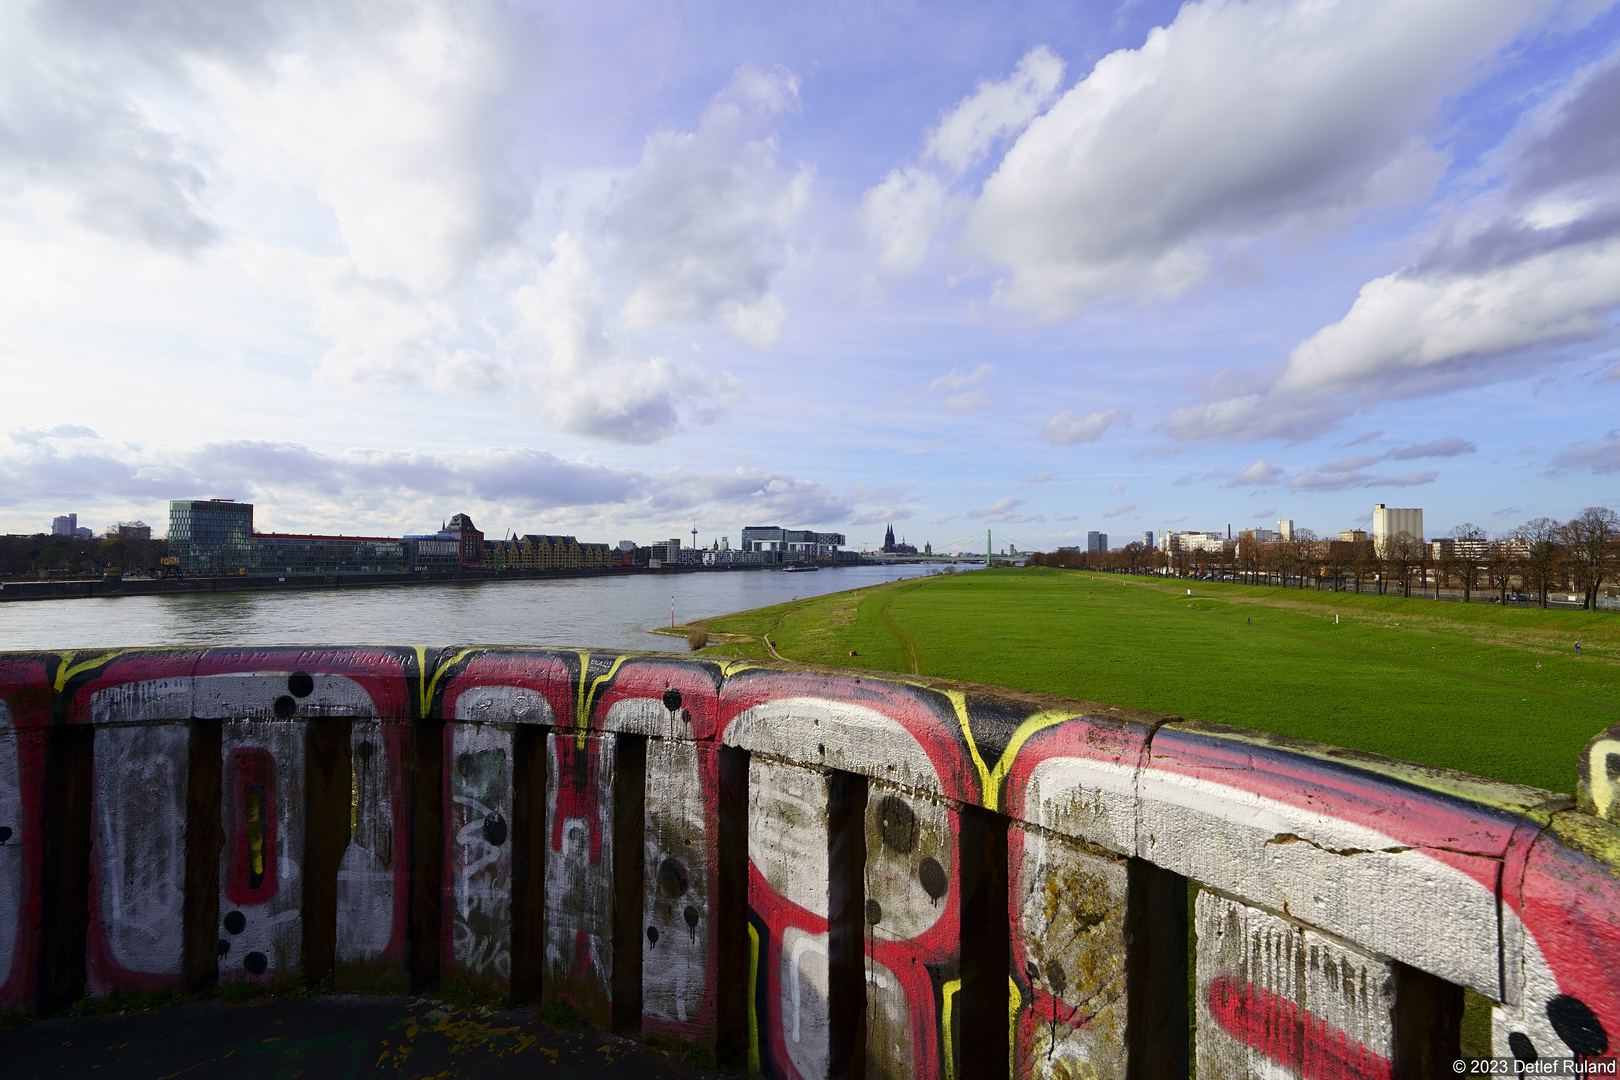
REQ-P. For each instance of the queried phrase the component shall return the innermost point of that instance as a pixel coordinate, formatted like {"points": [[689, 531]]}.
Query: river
{"points": [[606, 613]]}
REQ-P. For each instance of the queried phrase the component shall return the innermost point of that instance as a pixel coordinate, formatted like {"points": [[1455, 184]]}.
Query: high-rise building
{"points": [[1390, 521], [211, 536], [1285, 529], [1147, 540], [66, 525], [1096, 541]]}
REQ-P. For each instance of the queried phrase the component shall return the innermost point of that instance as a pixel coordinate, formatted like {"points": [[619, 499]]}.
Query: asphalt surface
{"points": [[336, 1036]]}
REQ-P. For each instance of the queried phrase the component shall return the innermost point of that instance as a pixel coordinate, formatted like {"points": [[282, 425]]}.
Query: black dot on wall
{"points": [[692, 916], [285, 706], [652, 934], [255, 962], [1521, 1046], [673, 878], [5, 833], [932, 877], [235, 922], [1033, 971], [224, 946], [672, 699], [898, 824], [366, 749], [1055, 978], [300, 685], [495, 830], [1577, 1025], [874, 912]]}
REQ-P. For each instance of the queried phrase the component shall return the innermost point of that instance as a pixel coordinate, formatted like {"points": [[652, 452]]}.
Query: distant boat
{"points": [[799, 568]]}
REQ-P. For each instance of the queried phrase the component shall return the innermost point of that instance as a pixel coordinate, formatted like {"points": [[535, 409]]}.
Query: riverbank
{"points": [[1490, 690]]}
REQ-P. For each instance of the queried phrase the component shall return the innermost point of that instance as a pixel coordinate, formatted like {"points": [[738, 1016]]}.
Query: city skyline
{"points": [[615, 271]]}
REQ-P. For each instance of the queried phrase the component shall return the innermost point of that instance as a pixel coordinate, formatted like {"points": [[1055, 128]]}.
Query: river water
{"points": [[606, 613]]}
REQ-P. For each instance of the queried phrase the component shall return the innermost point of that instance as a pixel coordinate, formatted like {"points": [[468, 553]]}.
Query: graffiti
{"points": [[1508, 891], [260, 885], [579, 872], [478, 863]]}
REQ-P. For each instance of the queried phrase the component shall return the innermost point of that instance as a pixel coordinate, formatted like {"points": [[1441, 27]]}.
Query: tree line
{"points": [[45, 553], [1543, 556]]}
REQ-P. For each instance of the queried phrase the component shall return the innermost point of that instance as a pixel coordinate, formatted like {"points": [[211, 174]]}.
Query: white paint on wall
{"points": [[365, 882], [503, 705], [909, 851], [675, 884], [140, 843], [255, 693], [579, 888], [1080, 797], [1350, 880], [837, 735], [136, 702], [479, 823], [787, 831], [274, 928], [806, 1018]]}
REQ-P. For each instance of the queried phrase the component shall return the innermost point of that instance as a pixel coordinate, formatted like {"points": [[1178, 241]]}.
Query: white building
{"points": [[1285, 529], [1390, 521], [1193, 541]]}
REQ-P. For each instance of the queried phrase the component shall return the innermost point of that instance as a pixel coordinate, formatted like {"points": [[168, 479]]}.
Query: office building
{"points": [[1390, 521], [1352, 536], [305, 553], [1194, 541], [1147, 540], [130, 530], [1096, 541], [65, 525], [433, 552], [211, 536], [799, 545], [1285, 529]]}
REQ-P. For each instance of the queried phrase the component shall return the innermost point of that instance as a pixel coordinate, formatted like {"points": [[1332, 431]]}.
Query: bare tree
{"points": [[1302, 552], [1543, 551], [1402, 553], [1592, 541], [1336, 560], [1502, 561], [1466, 541], [1367, 563]]}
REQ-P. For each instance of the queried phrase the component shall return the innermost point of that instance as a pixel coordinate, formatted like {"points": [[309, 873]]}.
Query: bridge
{"points": [[803, 872]]}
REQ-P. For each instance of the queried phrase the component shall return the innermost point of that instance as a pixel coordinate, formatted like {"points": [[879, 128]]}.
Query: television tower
{"points": [[694, 534]]}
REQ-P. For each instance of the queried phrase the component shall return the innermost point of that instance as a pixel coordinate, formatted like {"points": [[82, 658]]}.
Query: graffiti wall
{"points": [[182, 818]]}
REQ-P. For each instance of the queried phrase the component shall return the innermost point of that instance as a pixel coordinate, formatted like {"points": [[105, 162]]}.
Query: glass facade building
{"points": [[211, 536], [283, 553]]}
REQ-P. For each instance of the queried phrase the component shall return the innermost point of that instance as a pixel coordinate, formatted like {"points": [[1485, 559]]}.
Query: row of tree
{"points": [[31, 556], [1541, 556]]}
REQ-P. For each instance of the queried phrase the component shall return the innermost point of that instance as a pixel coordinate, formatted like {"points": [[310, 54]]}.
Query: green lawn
{"points": [[1441, 683]]}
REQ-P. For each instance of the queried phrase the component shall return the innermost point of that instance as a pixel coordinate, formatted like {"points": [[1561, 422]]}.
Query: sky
{"points": [[625, 269]]}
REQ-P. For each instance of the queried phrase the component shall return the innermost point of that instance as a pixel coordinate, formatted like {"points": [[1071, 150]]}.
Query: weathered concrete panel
{"points": [[261, 882], [681, 841], [1407, 871], [1569, 909], [1597, 785], [373, 882], [789, 1017], [579, 873], [1068, 917], [21, 766], [661, 697], [913, 930], [1277, 999], [138, 858], [477, 935]]}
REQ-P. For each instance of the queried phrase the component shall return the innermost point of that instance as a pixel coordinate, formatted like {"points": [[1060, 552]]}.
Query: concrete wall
{"points": [[810, 873]]}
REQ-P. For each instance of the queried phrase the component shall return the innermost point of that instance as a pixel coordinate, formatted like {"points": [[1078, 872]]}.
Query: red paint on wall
{"points": [[1290, 1035], [251, 776], [576, 791]]}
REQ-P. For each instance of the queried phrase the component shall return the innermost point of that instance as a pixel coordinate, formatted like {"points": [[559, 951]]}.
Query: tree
{"points": [[1542, 538], [1467, 540], [1367, 563], [1592, 542], [1401, 554], [1302, 553], [1502, 561], [1337, 561]]}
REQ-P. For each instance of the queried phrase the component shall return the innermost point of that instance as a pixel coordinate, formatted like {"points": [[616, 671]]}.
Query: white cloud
{"points": [[1345, 480], [1260, 474], [591, 383], [1601, 456], [1004, 511], [701, 225], [1041, 478], [995, 110], [971, 402], [1117, 511], [956, 378], [1234, 122], [901, 214], [1116, 489], [1068, 428]]}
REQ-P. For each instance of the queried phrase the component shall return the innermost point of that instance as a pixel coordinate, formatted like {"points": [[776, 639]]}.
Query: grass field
{"points": [[1441, 683]]}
